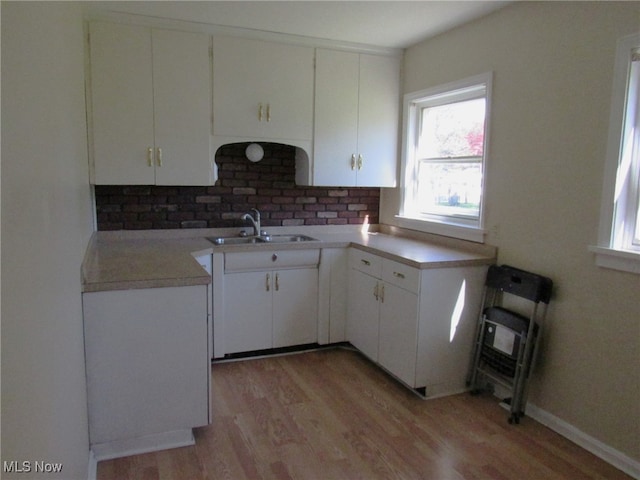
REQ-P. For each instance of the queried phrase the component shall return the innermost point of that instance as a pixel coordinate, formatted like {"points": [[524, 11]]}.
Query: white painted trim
{"points": [[624, 261], [148, 443], [92, 473], [609, 454], [614, 142], [462, 232]]}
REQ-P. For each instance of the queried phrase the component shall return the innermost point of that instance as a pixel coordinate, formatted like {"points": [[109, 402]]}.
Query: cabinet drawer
{"points": [[270, 260], [365, 262], [401, 275]]}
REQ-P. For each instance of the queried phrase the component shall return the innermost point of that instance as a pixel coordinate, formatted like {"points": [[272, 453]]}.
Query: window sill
{"points": [[463, 232], [623, 260]]}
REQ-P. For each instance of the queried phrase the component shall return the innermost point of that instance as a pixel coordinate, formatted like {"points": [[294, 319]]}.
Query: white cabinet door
{"points": [[147, 361], [182, 108], [122, 104], [356, 119], [363, 323], [379, 106], [262, 90], [295, 307], [248, 311], [336, 118], [399, 332], [151, 106]]}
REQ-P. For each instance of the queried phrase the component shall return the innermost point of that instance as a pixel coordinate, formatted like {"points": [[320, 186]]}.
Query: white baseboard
{"points": [[93, 467], [605, 452], [149, 443]]}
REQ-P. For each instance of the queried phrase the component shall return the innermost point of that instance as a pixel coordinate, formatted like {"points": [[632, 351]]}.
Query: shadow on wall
{"points": [[267, 185]]}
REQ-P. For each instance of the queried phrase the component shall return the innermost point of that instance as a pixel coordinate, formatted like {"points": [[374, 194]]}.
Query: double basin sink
{"points": [[283, 238]]}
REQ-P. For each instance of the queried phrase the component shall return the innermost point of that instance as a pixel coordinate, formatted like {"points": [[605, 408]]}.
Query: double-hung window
{"points": [[445, 135], [619, 236]]}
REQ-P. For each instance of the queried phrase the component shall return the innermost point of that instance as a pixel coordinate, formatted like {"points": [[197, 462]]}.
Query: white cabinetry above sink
{"points": [[262, 91]]}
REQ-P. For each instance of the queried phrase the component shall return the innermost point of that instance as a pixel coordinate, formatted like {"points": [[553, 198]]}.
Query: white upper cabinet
{"points": [[356, 120], [262, 91], [150, 105]]}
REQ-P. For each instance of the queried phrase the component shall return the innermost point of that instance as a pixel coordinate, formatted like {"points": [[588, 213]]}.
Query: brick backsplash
{"points": [[267, 185]]}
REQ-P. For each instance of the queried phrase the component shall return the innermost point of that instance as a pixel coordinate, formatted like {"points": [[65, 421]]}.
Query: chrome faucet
{"points": [[255, 221]]}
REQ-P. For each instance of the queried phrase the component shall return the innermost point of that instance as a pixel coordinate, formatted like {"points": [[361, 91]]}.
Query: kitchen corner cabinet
{"points": [[357, 100], [270, 300], [147, 364], [418, 324], [150, 103], [262, 91]]}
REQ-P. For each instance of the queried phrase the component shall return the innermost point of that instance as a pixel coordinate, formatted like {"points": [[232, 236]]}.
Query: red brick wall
{"points": [[267, 185]]}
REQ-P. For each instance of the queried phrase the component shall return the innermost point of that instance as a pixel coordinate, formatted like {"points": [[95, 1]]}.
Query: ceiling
{"points": [[390, 24]]}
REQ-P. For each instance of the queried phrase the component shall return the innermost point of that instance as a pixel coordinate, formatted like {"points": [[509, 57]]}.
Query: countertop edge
{"points": [[466, 258]]}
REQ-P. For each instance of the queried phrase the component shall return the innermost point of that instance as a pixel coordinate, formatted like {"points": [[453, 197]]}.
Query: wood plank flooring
{"points": [[331, 414]]}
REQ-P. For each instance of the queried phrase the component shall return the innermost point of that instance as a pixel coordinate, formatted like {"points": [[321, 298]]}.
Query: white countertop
{"points": [[121, 262]]}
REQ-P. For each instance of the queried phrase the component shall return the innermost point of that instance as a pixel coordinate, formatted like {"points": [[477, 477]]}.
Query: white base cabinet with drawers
{"points": [[418, 324], [265, 299]]}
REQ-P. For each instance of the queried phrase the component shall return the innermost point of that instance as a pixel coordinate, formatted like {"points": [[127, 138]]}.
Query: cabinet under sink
{"points": [[264, 299]]}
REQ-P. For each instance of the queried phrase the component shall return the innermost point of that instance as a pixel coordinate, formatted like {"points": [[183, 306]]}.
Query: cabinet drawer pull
{"points": [[366, 262], [353, 161], [268, 282], [375, 291], [382, 293], [259, 112], [399, 275], [268, 112], [159, 157], [150, 156], [277, 282], [360, 161]]}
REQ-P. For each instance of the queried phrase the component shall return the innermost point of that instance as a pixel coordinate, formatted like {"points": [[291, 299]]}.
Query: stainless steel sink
{"points": [[287, 238], [235, 240], [282, 238]]}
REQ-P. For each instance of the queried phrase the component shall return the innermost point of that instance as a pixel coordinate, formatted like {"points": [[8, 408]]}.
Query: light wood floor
{"points": [[331, 414]]}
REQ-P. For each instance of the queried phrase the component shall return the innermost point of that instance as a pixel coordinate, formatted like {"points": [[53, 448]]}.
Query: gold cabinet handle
{"points": [[150, 156], [398, 275], [268, 112], [159, 156], [360, 160], [353, 161], [259, 112], [277, 282], [268, 282]]}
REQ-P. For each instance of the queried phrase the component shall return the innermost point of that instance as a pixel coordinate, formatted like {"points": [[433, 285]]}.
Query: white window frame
{"points": [[617, 249], [466, 229]]}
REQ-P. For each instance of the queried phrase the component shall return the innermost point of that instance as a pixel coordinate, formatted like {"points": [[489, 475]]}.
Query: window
{"points": [[444, 157], [619, 236]]}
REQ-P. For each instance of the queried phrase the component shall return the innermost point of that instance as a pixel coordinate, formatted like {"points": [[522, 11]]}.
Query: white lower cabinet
{"points": [[363, 329], [148, 368], [416, 324], [269, 299]]}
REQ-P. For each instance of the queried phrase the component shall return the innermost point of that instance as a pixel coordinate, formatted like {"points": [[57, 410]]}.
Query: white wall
{"points": [[46, 223], [553, 66]]}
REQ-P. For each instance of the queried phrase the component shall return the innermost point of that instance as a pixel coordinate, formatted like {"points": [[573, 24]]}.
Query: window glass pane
{"points": [[450, 188], [452, 130]]}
